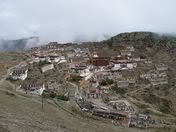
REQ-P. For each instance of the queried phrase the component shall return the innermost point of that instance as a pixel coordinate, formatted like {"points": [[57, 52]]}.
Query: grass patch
{"points": [[10, 94], [118, 90], [75, 78], [164, 108], [12, 56], [106, 82], [149, 111], [9, 59], [53, 95]]}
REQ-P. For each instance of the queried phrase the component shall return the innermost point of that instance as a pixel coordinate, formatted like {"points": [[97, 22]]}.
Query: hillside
{"points": [[9, 59], [147, 43], [19, 112], [160, 49]]}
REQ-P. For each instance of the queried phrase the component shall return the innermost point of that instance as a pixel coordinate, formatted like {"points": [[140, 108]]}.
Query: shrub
{"points": [[164, 109], [52, 94], [42, 63], [11, 94], [62, 97], [109, 81], [105, 98], [118, 90], [9, 78], [106, 82], [103, 83], [75, 78]]}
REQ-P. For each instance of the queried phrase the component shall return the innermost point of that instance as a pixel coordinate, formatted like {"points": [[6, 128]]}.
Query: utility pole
{"points": [[42, 102]]}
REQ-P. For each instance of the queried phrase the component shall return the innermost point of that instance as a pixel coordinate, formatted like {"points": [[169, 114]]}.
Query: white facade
{"points": [[54, 59], [137, 59], [85, 72], [62, 61], [36, 59], [131, 65], [124, 66], [19, 75], [125, 53], [77, 50], [35, 90], [42, 58], [70, 54], [130, 48], [47, 67], [116, 66]]}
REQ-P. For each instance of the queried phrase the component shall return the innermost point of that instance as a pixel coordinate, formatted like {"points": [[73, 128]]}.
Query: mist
{"points": [[84, 20]]}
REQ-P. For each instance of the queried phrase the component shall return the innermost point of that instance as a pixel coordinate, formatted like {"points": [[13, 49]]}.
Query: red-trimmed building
{"points": [[101, 61]]}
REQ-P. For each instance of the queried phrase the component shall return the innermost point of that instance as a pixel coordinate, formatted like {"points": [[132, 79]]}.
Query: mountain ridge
{"points": [[18, 44], [138, 39]]}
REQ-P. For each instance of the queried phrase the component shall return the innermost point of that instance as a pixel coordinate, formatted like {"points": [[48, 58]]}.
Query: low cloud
{"points": [[84, 20]]}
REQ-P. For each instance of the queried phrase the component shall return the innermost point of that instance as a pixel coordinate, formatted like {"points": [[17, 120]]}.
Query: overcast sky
{"points": [[72, 20]]}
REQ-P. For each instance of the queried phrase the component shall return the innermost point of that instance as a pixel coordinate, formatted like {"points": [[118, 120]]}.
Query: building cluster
{"points": [[108, 68], [52, 46], [92, 68], [123, 106], [20, 72], [123, 116], [143, 121], [98, 74], [49, 55], [158, 76]]}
